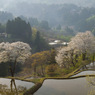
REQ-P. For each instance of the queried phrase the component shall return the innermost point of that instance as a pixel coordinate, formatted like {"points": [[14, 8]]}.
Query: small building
{"points": [[64, 43], [58, 43]]}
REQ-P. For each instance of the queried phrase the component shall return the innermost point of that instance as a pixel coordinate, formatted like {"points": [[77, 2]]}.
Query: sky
{"points": [[4, 4], [9, 5]]}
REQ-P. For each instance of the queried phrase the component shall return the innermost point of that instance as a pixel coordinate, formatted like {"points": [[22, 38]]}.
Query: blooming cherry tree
{"points": [[82, 44], [13, 53], [65, 57]]}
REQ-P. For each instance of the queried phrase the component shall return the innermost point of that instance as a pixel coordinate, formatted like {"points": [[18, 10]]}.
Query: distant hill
{"points": [[56, 12], [30, 7]]}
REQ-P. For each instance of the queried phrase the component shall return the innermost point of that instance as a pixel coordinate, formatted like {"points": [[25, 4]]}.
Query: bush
{"points": [[50, 70]]}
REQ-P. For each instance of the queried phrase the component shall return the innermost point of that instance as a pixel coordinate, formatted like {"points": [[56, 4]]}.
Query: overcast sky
{"points": [[7, 5], [4, 4]]}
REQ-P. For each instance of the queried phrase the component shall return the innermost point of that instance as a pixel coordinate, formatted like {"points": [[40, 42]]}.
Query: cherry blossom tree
{"points": [[65, 57], [16, 52], [82, 44]]}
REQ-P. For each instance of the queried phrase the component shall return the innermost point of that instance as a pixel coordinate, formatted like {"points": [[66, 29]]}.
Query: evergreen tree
{"points": [[44, 25], [19, 29], [39, 43]]}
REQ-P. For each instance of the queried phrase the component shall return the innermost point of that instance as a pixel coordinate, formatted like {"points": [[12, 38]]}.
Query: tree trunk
{"points": [[84, 56], [72, 59], [12, 68], [93, 59], [76, 58], [34, 70], [11, 86], [42, 70], [15, 87]]}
